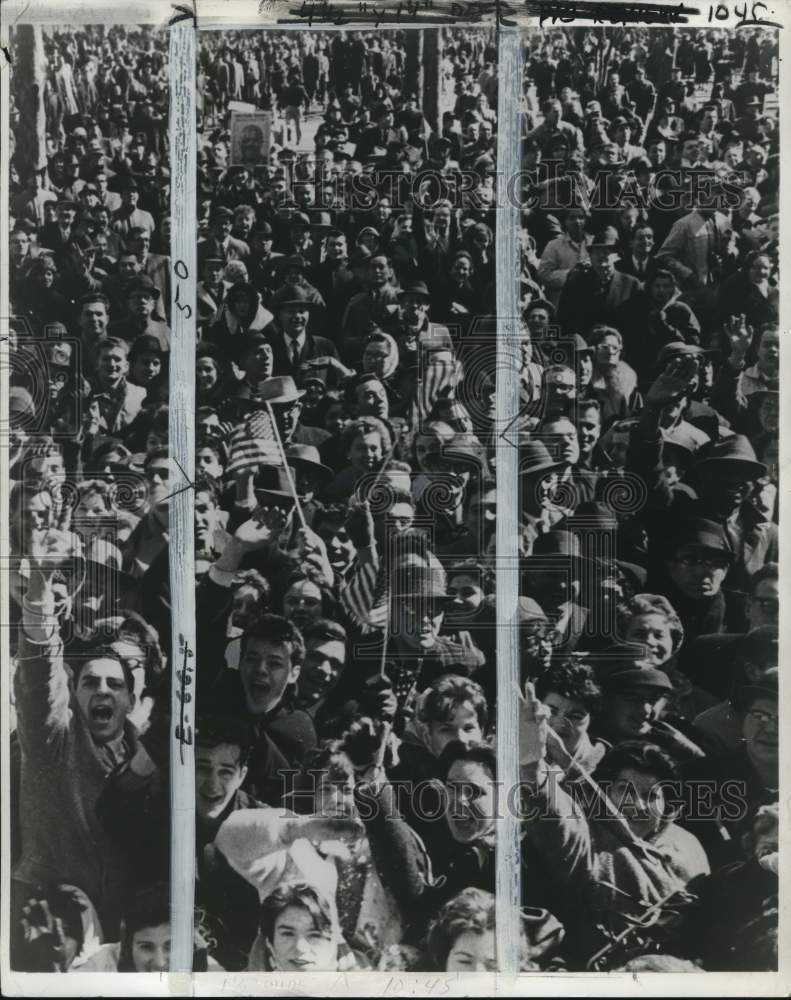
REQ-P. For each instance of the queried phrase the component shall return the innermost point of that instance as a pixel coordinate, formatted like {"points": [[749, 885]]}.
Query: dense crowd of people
{"points": [[345, 501], [649, 490]]}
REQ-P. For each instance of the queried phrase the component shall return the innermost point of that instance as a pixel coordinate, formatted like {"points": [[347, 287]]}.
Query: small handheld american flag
{"points": [[253, 443], [439, 374]]}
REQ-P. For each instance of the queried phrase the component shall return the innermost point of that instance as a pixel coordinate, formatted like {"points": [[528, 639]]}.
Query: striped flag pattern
{"points": [[253, 443], [438, 375], [365, 596]]}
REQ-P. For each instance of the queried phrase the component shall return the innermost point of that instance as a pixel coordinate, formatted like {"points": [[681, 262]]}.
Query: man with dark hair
{"points": [[262, 691], [325, 660], [73, 731]]}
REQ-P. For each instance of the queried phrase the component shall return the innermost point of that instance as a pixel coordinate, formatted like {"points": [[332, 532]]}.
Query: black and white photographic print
{"points": [[391, 516]]}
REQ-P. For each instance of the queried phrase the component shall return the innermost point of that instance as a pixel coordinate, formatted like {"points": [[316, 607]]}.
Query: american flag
{"points": [[253, 443], [365, 596], [438, 374]]}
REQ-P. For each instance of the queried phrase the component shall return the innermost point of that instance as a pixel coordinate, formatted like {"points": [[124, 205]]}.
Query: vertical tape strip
{"points": [[5, 514], [183, 157], [508, 166]]}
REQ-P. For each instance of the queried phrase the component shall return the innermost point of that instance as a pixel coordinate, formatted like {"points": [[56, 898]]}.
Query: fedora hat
{"points": [[293, 261], [760, 646], [529, 612], [734, 453], [142, 283], [418, 581], [628, 677], [415, 288], [765, 687], [292, 295], [592, 515], [306, 456], [243, 289], [606, 237], [272, 487], [240, 345], [465, 448], [299, 219], [676, 349], [221, 212], [559, 544], [678, 450], [279, 389], [701, 533], [534, 457], [146, 343], [757, 397]]}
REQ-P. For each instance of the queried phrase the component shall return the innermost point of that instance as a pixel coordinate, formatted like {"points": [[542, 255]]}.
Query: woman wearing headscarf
{"points": [[381, 358], [241, 313]]}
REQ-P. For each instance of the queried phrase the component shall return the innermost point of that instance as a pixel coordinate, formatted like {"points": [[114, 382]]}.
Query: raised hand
{"points": [[371, 746], [533, 727], [263, 527], [739, 335], [327, 361], [45, 939], [53, 548], [360, 523], [673, 383], [312, 551]]}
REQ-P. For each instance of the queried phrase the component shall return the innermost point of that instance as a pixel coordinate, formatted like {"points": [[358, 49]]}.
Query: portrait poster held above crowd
{"points": [[345, 714]]}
